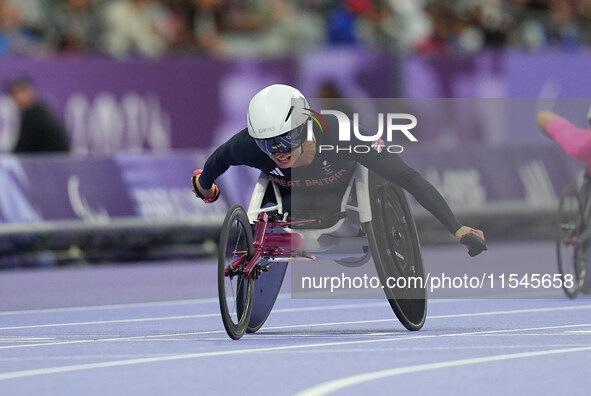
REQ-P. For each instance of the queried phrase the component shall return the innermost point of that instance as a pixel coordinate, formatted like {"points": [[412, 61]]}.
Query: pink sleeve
{"points": [[575, 141], [559, 125]]}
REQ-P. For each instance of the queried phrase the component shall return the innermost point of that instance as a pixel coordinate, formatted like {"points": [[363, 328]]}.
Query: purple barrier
{"points": [[546, 81], [471, 77], [99, 191], [508, 74], [158, 188], [92, 190], [110, 106], [355, 72]]}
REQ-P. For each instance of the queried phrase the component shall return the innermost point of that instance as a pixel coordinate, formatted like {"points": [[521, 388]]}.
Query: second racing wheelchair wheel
{"points": [[569, 253], [235, 291], [396, 252]]}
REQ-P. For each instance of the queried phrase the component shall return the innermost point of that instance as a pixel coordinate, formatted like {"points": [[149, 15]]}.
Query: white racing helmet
{"points": [[277, 117]]}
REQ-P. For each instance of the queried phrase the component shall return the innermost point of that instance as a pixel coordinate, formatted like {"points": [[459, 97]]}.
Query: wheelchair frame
{"points": [[360, 180]]}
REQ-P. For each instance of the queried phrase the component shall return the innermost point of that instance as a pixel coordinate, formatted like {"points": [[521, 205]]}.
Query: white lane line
{"points": [[112, 306], [335, 385], [515, 311], [292, 310], [189, 334], [138, 305], [80, 357], [198, 316], [554, 335], [579, 332], [449, 316], [489, 333], [99, 322], [21, 339], [165, 303], [289, 327], [420, 349], [130, 362]]}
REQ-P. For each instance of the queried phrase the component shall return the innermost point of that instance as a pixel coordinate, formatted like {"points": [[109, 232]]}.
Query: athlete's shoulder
{"points": [[243, 149], [241, 141], [248, 142], [242, 137]]}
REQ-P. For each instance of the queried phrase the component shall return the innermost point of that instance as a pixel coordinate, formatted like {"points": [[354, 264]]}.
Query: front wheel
{"points": [[396, 252], [235, 291], [569, 250]]}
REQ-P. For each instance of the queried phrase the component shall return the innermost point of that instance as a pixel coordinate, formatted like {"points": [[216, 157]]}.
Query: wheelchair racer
{"points": [[275, 142]]}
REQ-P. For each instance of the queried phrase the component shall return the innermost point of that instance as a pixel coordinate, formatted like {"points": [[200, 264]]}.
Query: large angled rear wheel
{"points": [[266, 290], [396, 251]]}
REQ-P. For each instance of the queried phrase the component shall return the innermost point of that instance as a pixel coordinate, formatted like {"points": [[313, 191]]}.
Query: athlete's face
{"points": [[286, 160], [24, 96]]}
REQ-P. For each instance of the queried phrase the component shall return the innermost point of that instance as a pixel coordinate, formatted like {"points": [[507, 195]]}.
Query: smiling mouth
{"points": [[282, 158]]}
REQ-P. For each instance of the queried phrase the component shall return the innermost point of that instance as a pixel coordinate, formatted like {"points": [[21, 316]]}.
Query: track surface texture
{"points": [[155, 329]]}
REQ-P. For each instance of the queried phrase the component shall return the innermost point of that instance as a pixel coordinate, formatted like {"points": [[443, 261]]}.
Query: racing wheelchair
{"points": [[257, 244]]}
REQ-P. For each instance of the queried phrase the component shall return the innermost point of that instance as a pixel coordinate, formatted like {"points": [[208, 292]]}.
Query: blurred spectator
{"points": [[136, 27], [583, 12], [561, 25], [408, 23], [181, 14], [246, 28], [341, 26], [437, 43], [334, 98], [253, 28], [207, 24], [279, 28], [40, 131], [328, 90], [33, 13], [15, 38], [74, 26]]}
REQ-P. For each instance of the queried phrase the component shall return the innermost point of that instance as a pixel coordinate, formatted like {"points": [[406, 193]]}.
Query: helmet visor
{"points": [[283, 143]]}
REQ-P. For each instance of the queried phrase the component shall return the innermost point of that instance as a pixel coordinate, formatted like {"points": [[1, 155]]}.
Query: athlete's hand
{"points": [[543, 118], [473, 239], [208, 196]]}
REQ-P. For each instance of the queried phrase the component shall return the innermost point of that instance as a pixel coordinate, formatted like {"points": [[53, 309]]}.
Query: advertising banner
{"points": [[110, 106], [102, 190]]}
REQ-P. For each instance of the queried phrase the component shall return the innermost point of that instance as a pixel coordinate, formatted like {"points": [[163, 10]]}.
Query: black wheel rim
{"points": [[235, 291], [571, 261], [400, 254], [235, 284], [396, 233]]}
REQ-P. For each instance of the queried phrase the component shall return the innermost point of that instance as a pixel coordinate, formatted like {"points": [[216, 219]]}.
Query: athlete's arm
{"points": [[239, 150], [393, 168], [575, 141]]}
